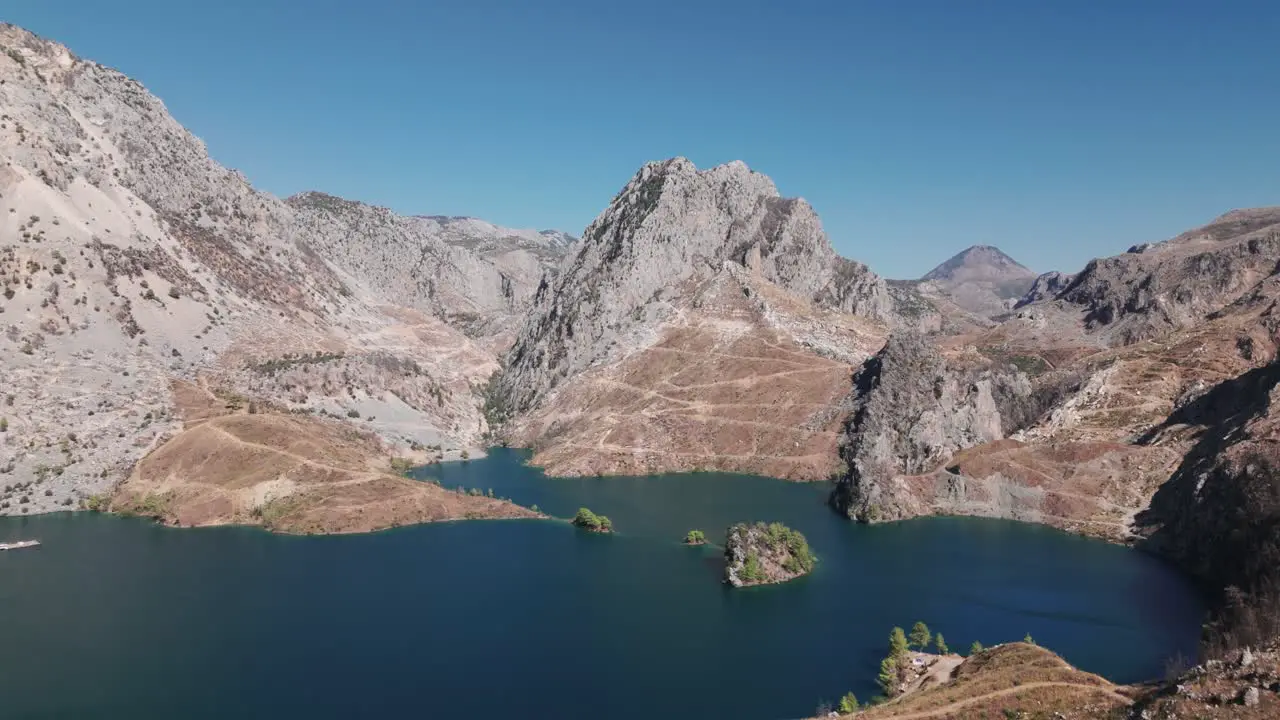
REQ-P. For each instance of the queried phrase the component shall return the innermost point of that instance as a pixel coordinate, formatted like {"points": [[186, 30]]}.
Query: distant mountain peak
{"points": [[989, 260]]}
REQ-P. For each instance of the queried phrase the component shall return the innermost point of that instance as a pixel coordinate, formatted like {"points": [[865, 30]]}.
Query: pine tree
{"points": [[941, 644], [920, 636], [1028, 640], [975, 648], [897, 643], [888, 677], [848, 704]]}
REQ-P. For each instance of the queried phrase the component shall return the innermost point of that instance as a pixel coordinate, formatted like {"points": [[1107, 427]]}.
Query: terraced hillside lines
{"points": [[287, 472], [697, 400], [1009, 679], [736, 381]]}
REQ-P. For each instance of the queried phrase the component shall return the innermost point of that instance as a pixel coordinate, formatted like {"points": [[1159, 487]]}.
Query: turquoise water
{"points": [[120, 618]]}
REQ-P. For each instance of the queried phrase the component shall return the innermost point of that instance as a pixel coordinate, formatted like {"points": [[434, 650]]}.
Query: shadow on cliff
{"points": [[1218, 515]]}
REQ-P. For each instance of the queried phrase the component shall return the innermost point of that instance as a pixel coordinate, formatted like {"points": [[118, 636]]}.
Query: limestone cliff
{"points": [[669, 226], [129, 258], [911, 411], [703, 321], [1156, 288]]}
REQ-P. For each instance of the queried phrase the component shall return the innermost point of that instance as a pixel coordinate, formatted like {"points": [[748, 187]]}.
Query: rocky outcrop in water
{"points": [[911, 411], [765, 554]]}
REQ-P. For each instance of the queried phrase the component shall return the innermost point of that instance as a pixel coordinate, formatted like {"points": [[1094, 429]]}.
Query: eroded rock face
{"points": [[765, 554], [1045, 287], [703, 322], [476, 275], [673, 225], [911, 412], [1174, 284], [1218, 516], [128, 258]]}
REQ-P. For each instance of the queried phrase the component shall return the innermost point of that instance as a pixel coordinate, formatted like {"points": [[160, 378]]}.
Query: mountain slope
{"points": [[1150, 418], [981, 280], [129, 258], [703, 321]]}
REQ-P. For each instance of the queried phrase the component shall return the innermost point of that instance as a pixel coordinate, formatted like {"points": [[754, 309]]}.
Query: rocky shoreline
{"points": [[765, 554]]}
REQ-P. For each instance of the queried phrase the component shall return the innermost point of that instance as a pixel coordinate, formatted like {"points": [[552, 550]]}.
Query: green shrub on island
{"points": [[588, 520], [760, 553], [751, 572], [695, 537], [975, 648], [849, 704]]}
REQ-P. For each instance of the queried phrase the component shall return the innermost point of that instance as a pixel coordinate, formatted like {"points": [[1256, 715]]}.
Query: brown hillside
{"points": [[1014, 680], [286, 472]]}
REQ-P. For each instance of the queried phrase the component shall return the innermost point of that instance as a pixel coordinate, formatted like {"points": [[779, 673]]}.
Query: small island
{"points": [[760, 554], [588, 520], [695, 537]]}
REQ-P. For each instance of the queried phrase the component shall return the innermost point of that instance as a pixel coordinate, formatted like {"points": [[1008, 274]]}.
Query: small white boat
{"points": [[19, 545]]}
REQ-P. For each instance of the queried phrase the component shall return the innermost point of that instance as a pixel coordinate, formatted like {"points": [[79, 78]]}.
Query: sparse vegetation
{"points": [[849, 703], [96, 503], [975, 648], [695, 537], [290, 360], [892, 665]]}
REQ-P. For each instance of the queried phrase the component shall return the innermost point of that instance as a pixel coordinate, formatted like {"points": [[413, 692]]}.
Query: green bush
{"points": [[695, 537], [975, 648], [590, 521], [849, 703], [802, 558], [751, 571]]}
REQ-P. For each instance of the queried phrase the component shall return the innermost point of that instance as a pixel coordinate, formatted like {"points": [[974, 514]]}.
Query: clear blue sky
{"points": [[1059, 130]]}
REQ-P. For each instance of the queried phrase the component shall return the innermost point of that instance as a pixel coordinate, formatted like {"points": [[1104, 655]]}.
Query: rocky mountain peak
{"points": [[979, 262], [980, 281], [669, 226]]}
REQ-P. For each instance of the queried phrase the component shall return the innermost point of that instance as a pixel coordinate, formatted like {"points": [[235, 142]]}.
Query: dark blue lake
{"points": [[120, 618]]}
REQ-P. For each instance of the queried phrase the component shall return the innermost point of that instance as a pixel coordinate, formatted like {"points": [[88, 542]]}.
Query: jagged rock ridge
{"points": [[671, 224]]}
